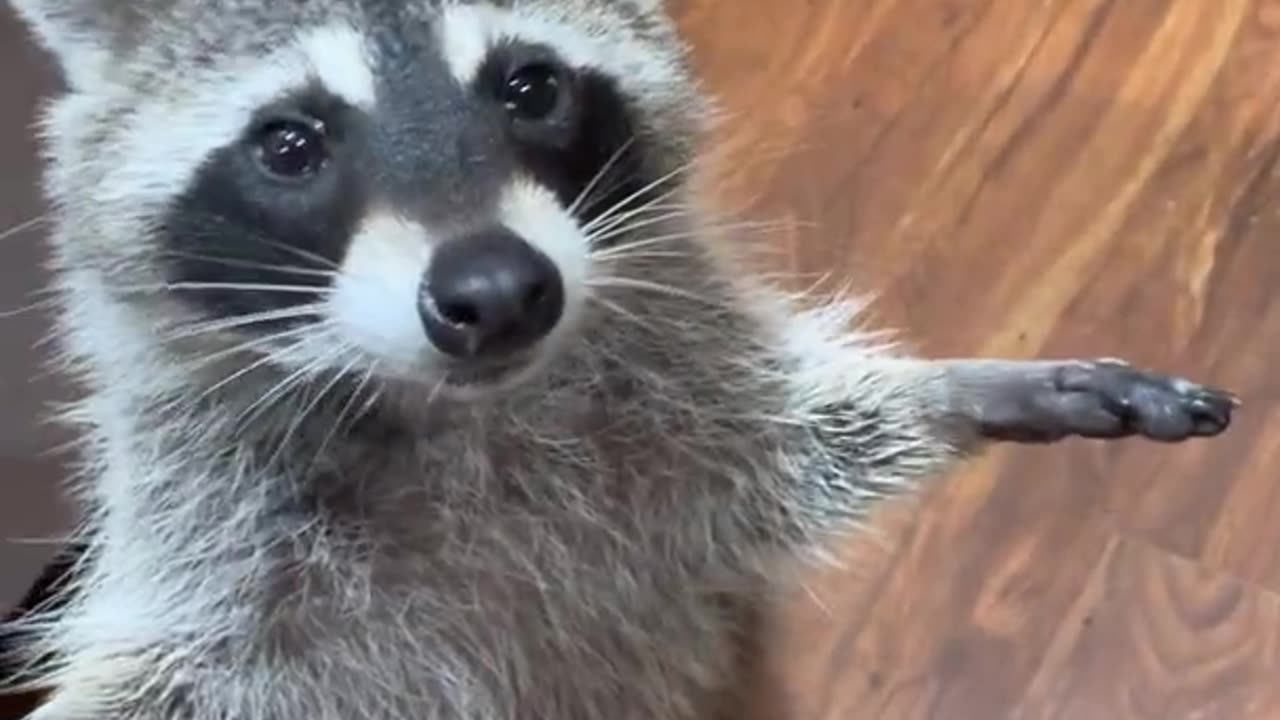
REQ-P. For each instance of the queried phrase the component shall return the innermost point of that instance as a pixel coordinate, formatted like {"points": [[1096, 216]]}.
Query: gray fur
{"points": [[572, 547]]}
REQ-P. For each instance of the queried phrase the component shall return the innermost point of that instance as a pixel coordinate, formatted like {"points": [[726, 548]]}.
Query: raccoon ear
{"points": [[79, 34]]}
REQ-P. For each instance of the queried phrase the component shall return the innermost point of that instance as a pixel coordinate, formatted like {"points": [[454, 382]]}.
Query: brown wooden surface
{"points": [[1034, 178]]}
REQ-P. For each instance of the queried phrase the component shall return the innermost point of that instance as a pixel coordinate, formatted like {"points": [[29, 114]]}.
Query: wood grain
{"points": [[1048, 178], [1154, 636]]}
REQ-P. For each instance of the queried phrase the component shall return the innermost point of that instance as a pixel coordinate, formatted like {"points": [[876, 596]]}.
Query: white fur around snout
{"points": [[374, 303]]}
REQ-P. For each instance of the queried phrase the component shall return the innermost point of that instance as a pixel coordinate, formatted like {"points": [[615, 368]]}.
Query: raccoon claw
{"points": [[1111, 399]]}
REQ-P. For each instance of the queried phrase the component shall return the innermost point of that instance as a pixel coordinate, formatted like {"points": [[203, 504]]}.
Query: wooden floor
{"points": [[1034, 178]]}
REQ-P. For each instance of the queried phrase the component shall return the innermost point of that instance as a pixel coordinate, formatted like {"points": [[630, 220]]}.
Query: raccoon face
{"points": [[419, 191]]}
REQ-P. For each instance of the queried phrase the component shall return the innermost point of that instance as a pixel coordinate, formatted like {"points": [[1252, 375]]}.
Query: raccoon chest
{"points": [[481, 646]]}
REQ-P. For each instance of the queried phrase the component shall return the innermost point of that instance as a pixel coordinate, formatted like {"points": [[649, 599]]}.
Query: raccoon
{"points": [[420, 381]]}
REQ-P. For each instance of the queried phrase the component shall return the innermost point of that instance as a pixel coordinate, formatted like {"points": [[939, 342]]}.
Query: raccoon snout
{"points": [[488, 295]]}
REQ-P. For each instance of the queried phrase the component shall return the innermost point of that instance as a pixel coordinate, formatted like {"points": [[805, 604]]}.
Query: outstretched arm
{"points": [[881, 421], [1046, 401]]}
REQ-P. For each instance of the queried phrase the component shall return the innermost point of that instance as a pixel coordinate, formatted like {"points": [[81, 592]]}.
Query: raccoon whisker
{"points": [[435, 391], [628, 206], [624, 250], [576, 205], [265, 359], [622, 205], [242, 321], [251, 265], [346, 408], [310, 407], [747, 225], [606, 193], [213, 223], [369, 404], [602, 225], [648, 286], [640, 217], [260, 362], [605, 200], [661, 203], [249, 346], [242, 287], [621, 213], [619, 310], [655, 205], [303, 254], [666, 200], [640, 255], [44, 291], [312, 311], [23, 226], [31, 307], [760, 226], [282, 389], [599, 237]]}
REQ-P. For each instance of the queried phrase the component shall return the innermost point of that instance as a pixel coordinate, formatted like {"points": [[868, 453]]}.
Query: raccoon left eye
{"points": [[291, 149], [533, 92]]}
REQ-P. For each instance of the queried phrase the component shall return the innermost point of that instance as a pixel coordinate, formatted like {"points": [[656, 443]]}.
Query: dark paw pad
{"points": [[1108, 399]]}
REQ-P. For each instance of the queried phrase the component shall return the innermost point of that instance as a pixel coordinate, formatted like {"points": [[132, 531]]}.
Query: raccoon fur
{"points": [[420, 383]]}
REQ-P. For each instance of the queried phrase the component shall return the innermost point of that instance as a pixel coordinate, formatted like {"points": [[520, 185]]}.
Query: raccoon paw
{"points": [[1112, 399]]}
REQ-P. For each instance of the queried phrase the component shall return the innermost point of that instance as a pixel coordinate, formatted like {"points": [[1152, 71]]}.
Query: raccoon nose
{"points": [[489, 294]]}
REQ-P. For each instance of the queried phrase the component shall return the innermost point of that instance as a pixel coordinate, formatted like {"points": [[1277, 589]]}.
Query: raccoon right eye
{"points": [[291, 149], [533, 93]]}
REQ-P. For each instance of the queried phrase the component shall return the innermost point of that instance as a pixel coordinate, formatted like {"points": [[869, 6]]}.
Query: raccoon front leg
{"points": [[1047, 401], [889, 419]]}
